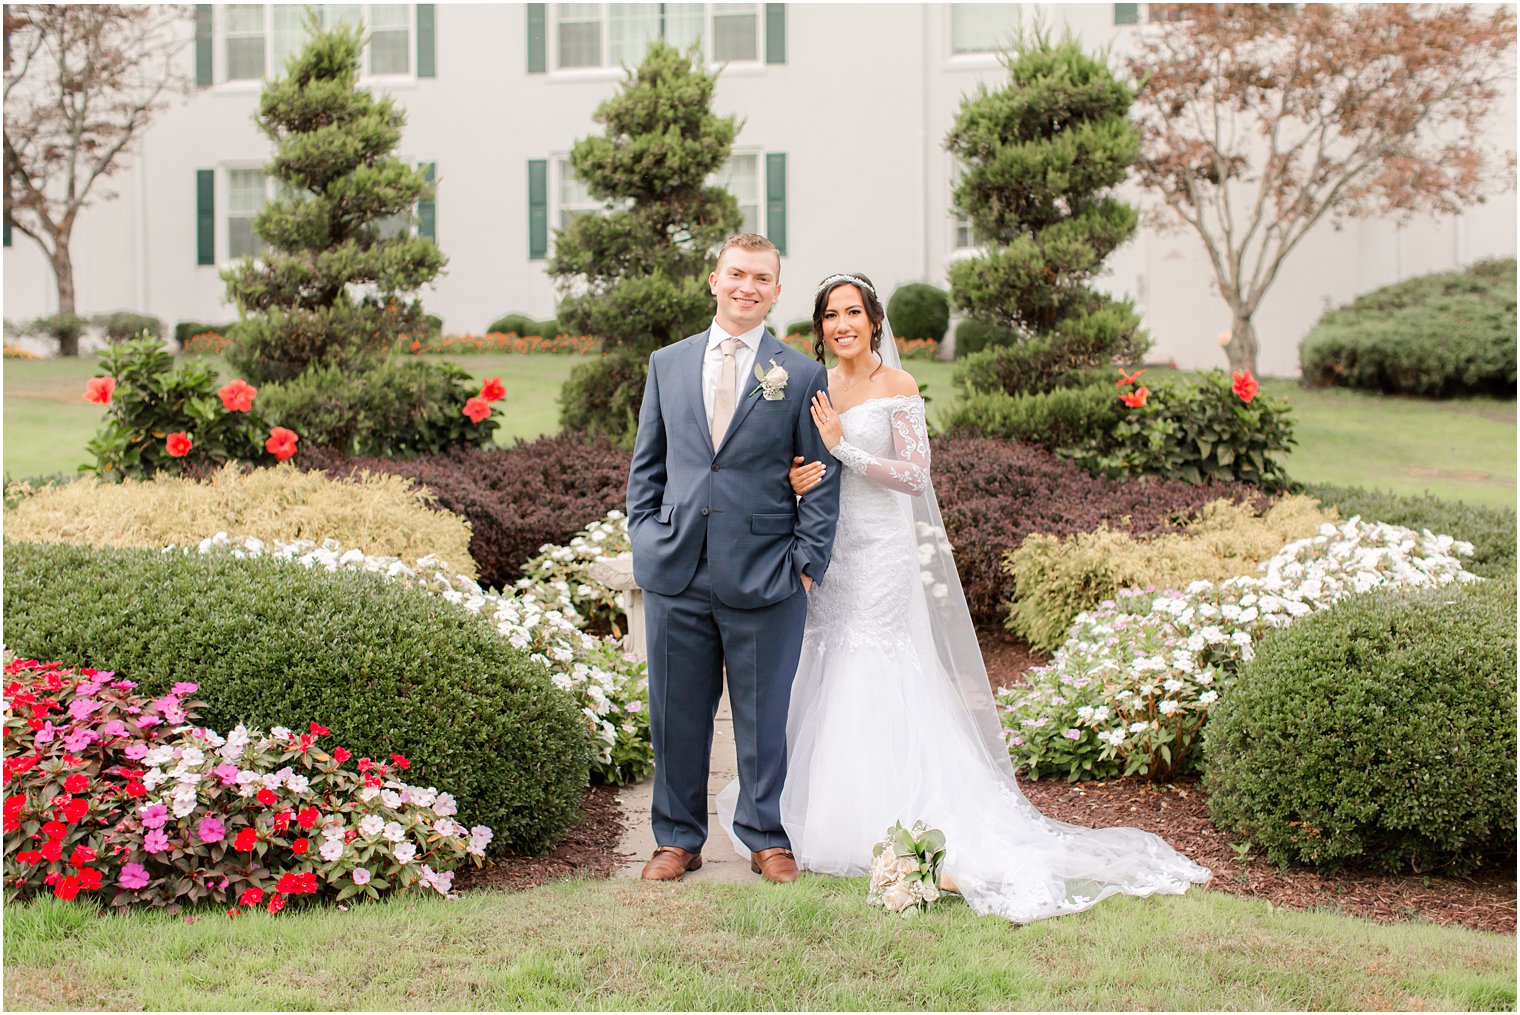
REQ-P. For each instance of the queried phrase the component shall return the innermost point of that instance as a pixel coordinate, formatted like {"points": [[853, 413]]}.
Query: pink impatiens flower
{"points": [[184, 687], [136, 752], [154, 816], [227, 773], [133, 875], [211, 830], [361, 876], [155, 841]]}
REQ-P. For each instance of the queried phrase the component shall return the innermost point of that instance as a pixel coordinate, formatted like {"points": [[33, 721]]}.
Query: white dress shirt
{"points": [[744, 364]]}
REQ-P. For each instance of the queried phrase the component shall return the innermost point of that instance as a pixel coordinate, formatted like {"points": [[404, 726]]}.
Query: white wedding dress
{"points": [[892, 719]]}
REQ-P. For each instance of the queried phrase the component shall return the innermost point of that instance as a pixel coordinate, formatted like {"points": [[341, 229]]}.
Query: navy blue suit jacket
{"points": [[684, 493]]}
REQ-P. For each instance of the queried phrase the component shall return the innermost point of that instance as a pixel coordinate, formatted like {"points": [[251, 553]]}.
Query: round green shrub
{"points": [[125, 325], [802, 327], [186, 330], [386, 668], [919, 310], [1052, 419], [602, 395], [515, 324], [548, 327], [972, 336], [1379, 733]]}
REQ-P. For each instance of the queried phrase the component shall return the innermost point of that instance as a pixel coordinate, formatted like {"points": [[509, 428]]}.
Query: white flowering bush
{"points": [[610, 686], [561, 575], [1135, 681]]}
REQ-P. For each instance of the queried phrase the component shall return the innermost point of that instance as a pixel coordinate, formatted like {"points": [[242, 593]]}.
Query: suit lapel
{"points": [[691, 367], [769, 349]]}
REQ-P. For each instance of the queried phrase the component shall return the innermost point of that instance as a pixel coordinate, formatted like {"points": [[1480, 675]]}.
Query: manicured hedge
{"points": [[386, 668], [1379, 733], [1490, 530], [1445, 335], [994, 492], [516, 499]]}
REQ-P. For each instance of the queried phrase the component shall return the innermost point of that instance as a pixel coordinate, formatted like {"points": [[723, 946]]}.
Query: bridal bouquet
{"points": [[905, 871]]}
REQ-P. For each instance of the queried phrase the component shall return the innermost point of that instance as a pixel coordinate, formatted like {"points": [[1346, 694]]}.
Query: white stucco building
{"points": [[840, 160]]}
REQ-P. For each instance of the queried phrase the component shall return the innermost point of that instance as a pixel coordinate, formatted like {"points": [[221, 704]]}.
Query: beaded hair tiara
{"points": [[862, 283]]}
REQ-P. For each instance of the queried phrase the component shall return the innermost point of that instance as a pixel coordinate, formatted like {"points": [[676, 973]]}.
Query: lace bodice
{"points": [[891, 444]]}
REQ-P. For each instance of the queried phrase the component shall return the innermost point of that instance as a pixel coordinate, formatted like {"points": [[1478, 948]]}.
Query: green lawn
{"points": [[1462, 449], [811, 945]]}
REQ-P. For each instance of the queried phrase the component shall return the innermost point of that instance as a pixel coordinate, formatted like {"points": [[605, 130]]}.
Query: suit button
{"points": [[715, 467], [704, 512]]}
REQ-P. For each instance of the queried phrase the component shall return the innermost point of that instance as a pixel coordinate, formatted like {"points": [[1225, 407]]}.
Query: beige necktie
{"points": [[723, 396]]}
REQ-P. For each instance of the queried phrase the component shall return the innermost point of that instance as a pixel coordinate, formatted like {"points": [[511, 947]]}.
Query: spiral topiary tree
{"points": [[330, 289], [636, 276], [1041, 155]]}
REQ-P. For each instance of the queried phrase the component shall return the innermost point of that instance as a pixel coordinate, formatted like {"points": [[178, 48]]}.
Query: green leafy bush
{"points": [[1052, 419], [402, 408], [1379, 733], [386, 668], [972, 336], [919, 310], [1491, 531], [65, 329], [186, 330], [125, 325], [802, 327], [602, 396], [515, 324], [1197, 431], [1444, 335]]}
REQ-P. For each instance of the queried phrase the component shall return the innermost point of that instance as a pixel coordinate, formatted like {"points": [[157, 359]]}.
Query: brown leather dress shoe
{"points": [[669, 863], [776, 864]]}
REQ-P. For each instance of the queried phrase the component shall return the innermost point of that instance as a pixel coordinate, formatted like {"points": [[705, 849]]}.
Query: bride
{"points": [[891, 714]]}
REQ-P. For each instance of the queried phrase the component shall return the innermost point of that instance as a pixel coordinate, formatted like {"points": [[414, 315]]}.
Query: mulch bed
{"points": [[1176, 811]]}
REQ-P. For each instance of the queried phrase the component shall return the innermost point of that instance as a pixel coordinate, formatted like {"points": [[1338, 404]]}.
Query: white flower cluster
{"points": [[610, 686], [1137, 677], [560, 574]]}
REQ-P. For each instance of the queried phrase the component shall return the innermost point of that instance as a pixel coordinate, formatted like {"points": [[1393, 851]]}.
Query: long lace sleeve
{"points": [[906, 472]]}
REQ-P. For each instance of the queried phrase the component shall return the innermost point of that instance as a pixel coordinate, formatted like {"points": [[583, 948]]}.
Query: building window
{"points": [[740, 176], [247, 191], [982, 28], [617, 35], [1126, 14], [574, 199], [963, 237], [261, 37]]}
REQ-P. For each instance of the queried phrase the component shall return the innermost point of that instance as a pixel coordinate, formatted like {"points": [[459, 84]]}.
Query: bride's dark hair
{"points": [[874, 309]]}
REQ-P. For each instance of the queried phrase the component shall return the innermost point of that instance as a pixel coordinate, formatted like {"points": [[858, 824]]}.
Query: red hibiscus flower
{"points": [[308, 817], [281, 443], [77, 783], [492, 390], [265, 796], [1136, 398], [178, 444], [1245, 385], [238, 395], [99, 390], [477, 409], [251, 897], [66, 888], [300, 846], [245, 841], [340, 754], [81, 856], [1125, 379]]}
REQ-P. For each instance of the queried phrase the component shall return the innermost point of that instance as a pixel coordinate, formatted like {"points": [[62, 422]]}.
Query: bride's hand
{"points": [[827, 420], [804, 477]]}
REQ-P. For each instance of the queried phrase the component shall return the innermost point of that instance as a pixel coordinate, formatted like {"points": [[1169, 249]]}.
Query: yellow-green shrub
{"points": [[383, 515], [1056, 579]]}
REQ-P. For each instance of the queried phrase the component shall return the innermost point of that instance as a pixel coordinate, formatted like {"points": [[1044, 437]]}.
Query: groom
{"points": [[726, 555]]}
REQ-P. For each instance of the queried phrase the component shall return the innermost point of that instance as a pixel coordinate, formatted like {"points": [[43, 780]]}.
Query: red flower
{"points": [[308, 817], [373, 781], [66, 888], [99, 390], [1136, 398], [178, 444], [15, 803], [340, 754], [89, 878], [477, 409], [30, 856], [246, 840], [77, 783], [1128, 378], [265, 796], [52, 850], [136, 789], [238, 395], [281, 443], [81, 856], [492, 390], [1245, 385], [300, 846], [365, 764], [234, 913], [75, 809], [55, 829], [400, 761], [12, 821], [320, 730], [251, 897], [276, 903], [282, 821]]}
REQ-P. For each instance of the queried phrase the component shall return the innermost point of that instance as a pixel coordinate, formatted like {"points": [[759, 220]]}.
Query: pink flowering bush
{"points": [[110, 792]]}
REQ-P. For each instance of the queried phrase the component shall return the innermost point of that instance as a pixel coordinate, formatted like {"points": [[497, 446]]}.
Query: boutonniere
{"points": [[772, 382]]}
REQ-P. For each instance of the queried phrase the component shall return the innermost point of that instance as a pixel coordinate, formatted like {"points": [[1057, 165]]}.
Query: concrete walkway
{"points": [[719, 861]]}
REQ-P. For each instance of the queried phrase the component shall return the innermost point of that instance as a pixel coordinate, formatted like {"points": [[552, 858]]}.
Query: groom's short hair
{"points": [[749, 241]]}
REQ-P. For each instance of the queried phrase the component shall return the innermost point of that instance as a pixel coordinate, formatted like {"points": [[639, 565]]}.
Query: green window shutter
{"points": [[427, 209], [427, 61], [1126, 14], [538, 208], [775, 199], [7, 234], [538, 38], [775, 33], [205, 216], [203, 45]]}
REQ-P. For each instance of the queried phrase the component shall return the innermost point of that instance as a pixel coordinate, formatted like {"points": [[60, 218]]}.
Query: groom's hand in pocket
{"points": [[807, 584]]}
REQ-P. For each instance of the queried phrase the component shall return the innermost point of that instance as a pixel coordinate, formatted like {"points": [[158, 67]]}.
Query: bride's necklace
{"points": [[843, 388]]}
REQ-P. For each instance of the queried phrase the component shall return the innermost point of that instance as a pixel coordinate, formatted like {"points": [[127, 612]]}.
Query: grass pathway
{"points": [[811, 945]]}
